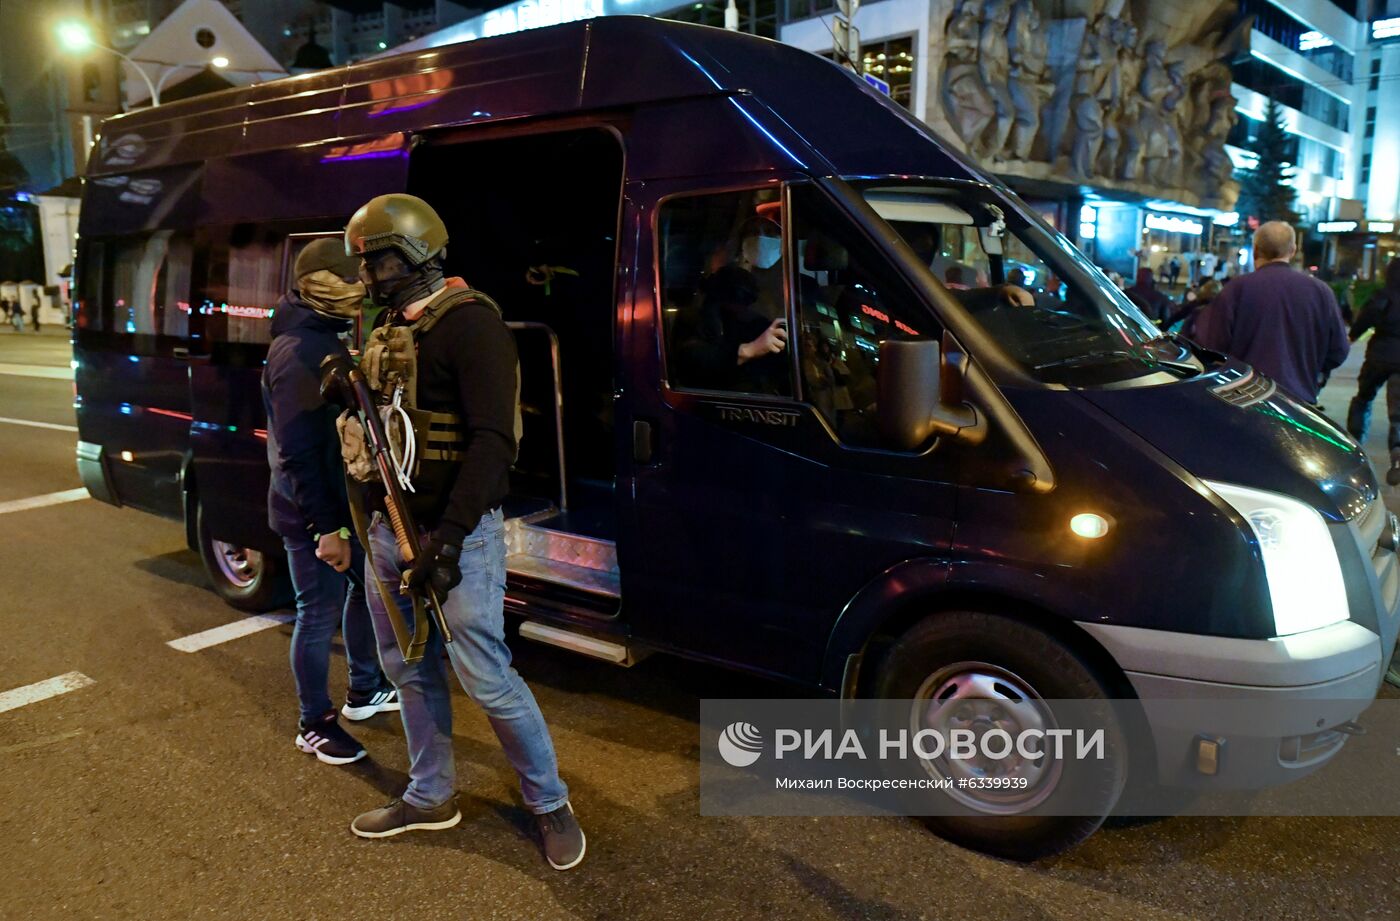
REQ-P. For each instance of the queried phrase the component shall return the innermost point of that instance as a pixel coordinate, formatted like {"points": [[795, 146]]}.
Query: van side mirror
{"points": [[920, 385]]}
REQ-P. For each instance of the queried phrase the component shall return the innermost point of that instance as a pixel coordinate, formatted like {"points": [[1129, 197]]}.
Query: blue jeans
{"points": [[327, 599], [481, 659]]}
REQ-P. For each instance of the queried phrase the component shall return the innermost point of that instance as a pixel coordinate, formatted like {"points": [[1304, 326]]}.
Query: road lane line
{"points": [[46, 371], [53, 498], [216, 635], [43, 690], [40, 425]]}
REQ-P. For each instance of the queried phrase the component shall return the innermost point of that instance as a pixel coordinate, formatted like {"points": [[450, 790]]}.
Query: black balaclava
{"points": [[394, 283]]}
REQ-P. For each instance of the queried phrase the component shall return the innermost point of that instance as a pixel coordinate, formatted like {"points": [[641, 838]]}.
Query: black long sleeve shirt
{"points": [[467, 365]]}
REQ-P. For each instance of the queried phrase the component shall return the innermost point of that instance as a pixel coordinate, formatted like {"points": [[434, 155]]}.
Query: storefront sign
{"points": [[535, 14], [1174, 224], [1337, 226], [1380, 226]]}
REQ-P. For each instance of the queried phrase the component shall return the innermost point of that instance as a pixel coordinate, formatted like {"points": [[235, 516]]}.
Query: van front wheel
{"points": [[971, 667], [245, 578]]}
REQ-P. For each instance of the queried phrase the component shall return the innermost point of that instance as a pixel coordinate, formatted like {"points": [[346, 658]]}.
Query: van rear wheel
{"points": [[957, 667], [245, 578]]}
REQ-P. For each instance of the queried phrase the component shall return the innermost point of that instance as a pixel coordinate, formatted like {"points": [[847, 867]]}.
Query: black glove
{"points": [[437, 565]]}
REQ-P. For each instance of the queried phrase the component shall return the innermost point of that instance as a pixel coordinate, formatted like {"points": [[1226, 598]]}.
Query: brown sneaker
{"points": [[398, 817]]}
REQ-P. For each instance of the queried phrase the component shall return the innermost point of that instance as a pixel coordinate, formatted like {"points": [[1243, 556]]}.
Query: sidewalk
{"points": [[49, 347]]}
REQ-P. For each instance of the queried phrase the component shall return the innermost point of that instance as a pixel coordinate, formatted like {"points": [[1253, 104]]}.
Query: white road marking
{"points": [[53, 498], [40, 425], [43, 690], [47, 371], [216, 635]]}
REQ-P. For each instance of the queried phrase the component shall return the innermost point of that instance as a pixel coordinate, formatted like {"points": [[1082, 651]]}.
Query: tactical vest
{"points": [[390, 365]]}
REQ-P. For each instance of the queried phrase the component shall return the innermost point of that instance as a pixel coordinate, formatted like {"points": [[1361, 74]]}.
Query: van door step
{"points": [[586, 564], [594, 646]]}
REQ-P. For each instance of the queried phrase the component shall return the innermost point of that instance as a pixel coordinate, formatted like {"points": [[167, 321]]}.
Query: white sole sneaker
{"points": [[310, 749], [412, 826], [363, 713], [577, 860]]}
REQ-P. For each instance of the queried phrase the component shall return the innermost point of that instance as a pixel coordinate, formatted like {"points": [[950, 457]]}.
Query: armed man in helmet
{"points": [[465, 380]]}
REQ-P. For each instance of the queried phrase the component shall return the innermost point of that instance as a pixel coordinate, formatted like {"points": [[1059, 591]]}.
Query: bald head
{"points": [[1273, 242]]}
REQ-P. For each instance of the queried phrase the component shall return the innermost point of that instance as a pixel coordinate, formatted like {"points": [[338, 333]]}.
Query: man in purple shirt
{"points": [[1283, 322]]}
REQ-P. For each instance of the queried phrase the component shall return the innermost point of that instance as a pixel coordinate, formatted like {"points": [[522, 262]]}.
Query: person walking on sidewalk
{"points": [[307, 504], [1283, 322], [1381, 315]]}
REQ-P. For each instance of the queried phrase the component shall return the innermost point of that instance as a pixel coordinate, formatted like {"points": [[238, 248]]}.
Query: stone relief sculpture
{"points": [[1142, 100], [1030, 87], [994, 66], [965, 98]]}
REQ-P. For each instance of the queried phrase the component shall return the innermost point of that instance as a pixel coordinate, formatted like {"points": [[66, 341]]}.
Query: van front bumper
{"points": [[1279, 708]]}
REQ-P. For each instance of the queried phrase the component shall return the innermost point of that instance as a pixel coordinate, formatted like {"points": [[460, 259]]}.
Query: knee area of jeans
{"points": [[493, 696]]}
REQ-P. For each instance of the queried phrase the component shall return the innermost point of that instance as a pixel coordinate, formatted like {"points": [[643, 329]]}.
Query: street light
{"points": [[76, 36]]}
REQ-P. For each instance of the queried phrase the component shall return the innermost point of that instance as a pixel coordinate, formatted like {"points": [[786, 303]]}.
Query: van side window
{"points": [[87, 302], [722, 291], [149, 285], [849, 299], [245, 284]]}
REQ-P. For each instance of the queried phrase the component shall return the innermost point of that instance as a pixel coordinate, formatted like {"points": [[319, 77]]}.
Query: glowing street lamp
{"points": [[77, 37]]}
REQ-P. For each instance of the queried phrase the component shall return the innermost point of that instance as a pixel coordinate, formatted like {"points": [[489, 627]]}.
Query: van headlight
{"points": [[1300, 561]]}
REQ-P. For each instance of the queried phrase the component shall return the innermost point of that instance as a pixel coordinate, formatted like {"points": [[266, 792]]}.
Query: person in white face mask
{"points": [[761, 252]]}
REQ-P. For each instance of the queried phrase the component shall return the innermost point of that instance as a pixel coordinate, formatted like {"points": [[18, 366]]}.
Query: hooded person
{"points": [[465, 377], [307, 503]]}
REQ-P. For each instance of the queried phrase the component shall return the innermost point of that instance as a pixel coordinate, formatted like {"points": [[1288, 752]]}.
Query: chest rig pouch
{"points": [[390, 366]]}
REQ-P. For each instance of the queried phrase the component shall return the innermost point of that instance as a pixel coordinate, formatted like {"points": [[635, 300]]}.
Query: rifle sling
{"points": [[411, 645]]}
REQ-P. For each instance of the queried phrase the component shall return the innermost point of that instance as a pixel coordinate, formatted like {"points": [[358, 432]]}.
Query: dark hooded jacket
{"points": [[307, 494], [1382, 313]]}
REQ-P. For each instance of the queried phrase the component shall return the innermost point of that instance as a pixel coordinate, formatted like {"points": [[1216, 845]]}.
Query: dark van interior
{"points": [[532, 220]]}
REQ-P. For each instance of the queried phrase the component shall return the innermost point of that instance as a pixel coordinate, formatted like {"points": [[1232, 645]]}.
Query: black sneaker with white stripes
{"points": [[360, 706], [328, 742]]}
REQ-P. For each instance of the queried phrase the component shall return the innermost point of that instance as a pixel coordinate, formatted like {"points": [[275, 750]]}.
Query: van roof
{"points": [[841, 125]]}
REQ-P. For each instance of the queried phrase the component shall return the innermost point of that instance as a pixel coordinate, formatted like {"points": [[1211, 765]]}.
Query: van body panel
{"points": [[1144, 572]]}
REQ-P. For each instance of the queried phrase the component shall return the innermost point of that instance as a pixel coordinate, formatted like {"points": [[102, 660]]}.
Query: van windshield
{"points": [[1050, 309]]}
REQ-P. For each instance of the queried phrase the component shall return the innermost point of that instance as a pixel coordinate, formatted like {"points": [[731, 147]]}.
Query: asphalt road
{"points": [[169, 787]]}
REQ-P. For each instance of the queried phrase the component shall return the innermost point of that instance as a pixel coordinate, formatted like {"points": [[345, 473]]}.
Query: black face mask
{"points": [[394, 283]]}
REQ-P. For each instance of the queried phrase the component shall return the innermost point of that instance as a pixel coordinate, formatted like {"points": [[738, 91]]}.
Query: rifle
{"points": [[340, 374]]}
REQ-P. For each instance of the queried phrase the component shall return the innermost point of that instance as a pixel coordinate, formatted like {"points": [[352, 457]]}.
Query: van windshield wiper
{"points": [[1090, 358]]}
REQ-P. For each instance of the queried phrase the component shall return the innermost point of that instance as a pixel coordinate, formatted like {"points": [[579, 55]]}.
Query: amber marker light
{"points": [[1088, 525]]}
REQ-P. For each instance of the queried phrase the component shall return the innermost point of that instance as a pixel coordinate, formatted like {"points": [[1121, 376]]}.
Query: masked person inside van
{"points": [[466, 380], [731, 344], [307, 502]]}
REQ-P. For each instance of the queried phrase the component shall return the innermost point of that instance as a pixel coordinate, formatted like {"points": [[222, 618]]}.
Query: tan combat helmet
{"points": [[404, 223]]}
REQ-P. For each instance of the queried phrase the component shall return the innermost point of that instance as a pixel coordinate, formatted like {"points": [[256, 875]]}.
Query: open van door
{"points": [[762, 498]]}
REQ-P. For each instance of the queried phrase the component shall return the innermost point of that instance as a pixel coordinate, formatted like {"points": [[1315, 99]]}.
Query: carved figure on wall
{"points": [[969, 106], [994, 68], [1122, 132], [1149, 145], [1086, 103], [1030, 89]]}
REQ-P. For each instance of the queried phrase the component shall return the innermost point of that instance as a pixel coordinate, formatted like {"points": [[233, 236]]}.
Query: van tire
{"points": [[1048, 668], [257, 583]]}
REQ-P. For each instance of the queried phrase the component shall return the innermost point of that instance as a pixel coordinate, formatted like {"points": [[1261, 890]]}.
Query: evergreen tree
{"points": [[13, 175], [1264, 191]]}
